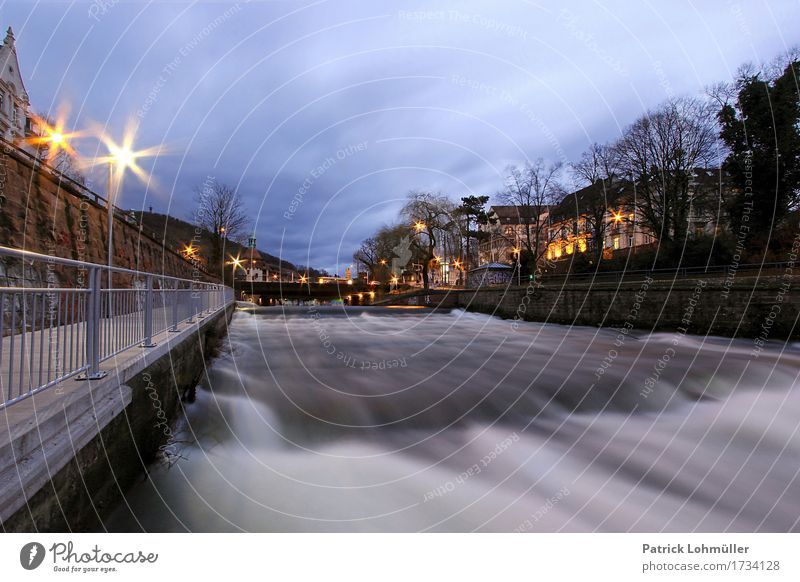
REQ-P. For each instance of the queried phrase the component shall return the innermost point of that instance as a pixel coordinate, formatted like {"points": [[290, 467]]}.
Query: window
{"points": [[630, 241], [616, 243]]}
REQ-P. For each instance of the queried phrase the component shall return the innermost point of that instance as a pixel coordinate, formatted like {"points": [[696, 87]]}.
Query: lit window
{"points": [[582, 245], [616, 243], [570, 249], [558, 252]]}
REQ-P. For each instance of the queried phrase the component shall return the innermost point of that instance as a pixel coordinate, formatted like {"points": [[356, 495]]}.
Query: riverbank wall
{"points": [[66, 464], [762, 308]]}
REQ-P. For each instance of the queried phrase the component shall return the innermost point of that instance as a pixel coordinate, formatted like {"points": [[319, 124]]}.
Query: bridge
{"points": [[271, 292]]}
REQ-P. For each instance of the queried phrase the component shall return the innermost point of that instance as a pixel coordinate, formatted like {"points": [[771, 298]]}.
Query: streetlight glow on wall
{"points": [[121, 157]]}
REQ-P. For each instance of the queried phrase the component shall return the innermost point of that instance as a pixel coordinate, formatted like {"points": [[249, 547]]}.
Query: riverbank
{"points": [[759, 308]]}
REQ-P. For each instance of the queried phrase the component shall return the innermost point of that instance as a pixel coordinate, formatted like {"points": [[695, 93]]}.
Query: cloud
{"points": [[444, 94]]}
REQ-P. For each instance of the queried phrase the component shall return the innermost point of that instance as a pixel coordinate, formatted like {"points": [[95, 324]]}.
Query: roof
{"points": [[516, 214], [9, 66], [621, 192], [581, 201], [490, 267]]}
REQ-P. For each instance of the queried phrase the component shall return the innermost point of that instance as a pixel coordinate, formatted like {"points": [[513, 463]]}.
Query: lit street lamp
{"points": [[517, 251], [121, 158], [236, 262]]}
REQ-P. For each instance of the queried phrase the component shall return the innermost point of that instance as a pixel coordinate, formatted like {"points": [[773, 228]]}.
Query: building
{"points": [[610, 210], [508, 228], [601, 209], [16, 121], [256, 266], [605, 214]]}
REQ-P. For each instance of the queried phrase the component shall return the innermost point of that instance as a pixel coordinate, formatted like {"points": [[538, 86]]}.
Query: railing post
{"points": [[148, 315], [191, 303], [175, 296], [93, 326]]}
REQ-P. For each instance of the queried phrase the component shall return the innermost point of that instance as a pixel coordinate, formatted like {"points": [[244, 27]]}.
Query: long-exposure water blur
{"points": [[377, 419]]}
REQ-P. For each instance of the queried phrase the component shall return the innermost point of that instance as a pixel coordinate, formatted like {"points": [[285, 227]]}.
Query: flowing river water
{"points": [[377, 419]]}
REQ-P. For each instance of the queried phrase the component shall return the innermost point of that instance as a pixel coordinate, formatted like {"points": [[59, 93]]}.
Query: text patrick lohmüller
{"points": [[694, 549]]}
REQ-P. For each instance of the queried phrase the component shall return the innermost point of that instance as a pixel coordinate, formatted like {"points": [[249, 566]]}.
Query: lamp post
{"points": [[119, 158], [517, 251], [236, 262]]}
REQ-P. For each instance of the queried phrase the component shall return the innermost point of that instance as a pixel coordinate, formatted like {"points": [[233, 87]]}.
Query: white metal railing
{"points": [[61, 318]]}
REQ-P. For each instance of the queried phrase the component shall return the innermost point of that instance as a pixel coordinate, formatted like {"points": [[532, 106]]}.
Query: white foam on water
{"points": [[377, 421]]}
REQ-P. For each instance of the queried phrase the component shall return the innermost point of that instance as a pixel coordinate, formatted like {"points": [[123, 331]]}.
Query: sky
{"points": [[325, 114]]}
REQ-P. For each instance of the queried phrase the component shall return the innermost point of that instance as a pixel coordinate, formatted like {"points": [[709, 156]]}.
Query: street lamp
{"points": [[54, 137], [236, 262], [121, 157], [517, 252]]}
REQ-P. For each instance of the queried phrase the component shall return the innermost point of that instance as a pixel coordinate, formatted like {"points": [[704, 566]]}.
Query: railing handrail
{"points": [[34, 256], [49, 334]]}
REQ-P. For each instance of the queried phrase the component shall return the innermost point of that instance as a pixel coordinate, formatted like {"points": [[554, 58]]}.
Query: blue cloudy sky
{"points": [[325, 113]]}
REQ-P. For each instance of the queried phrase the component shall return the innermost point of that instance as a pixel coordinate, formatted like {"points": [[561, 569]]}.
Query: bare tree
{"points": [[430, 216], [221, 212], [596, 170], [533, 189], [659, 153]]}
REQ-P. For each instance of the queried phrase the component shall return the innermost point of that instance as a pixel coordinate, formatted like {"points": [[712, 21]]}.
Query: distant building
{"points": [[569, 227], [255, 266], [572, 222], [507, 230], [16, 122]]}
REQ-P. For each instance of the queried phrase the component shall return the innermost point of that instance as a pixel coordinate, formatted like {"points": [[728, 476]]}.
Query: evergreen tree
{"points": [[762, 132]]}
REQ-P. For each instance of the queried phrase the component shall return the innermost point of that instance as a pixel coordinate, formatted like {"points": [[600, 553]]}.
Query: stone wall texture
{"points": [[44, 213], [763, 308], [754, 307]]}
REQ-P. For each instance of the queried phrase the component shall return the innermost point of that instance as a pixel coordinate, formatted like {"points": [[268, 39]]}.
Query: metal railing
{"points": [[62, 318]]}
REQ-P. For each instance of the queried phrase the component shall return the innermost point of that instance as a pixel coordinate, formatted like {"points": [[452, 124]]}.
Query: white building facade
{"points": [[16, 122]]}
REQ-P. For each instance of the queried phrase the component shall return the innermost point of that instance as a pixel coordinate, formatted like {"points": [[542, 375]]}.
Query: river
{"points": [[377, 419]]}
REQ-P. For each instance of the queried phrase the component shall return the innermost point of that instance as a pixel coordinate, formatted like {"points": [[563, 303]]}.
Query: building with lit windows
{"points": [[573, 221], [571, 225]]}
